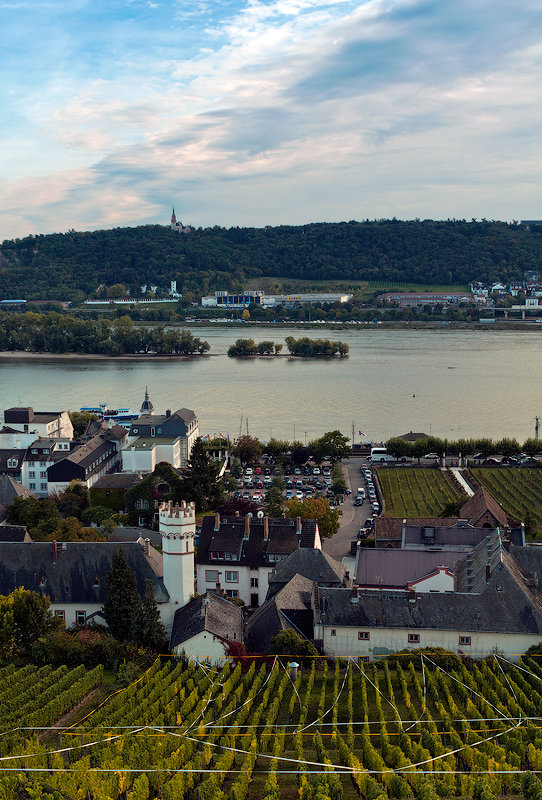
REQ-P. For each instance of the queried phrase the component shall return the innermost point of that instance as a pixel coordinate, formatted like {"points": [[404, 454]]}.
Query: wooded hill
{"points": [[62, 266]]}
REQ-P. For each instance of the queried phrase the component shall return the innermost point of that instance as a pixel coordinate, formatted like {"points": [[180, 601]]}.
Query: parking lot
{"points": [[296, 482]]}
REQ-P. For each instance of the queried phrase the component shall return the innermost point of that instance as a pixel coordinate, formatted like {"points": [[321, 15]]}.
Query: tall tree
{"points": [[202, 484], [317, 508], [121, 598], [148, 629]]}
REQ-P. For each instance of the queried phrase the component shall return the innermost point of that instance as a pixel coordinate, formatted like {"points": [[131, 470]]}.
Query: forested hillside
{"points": [[64, 265]]}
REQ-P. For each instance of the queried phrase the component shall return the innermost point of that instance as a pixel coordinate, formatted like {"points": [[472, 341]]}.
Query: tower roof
{"points": [[146, 406]]}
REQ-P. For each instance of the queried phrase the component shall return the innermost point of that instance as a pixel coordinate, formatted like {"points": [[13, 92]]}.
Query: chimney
{"points": [[298, 525], [354, 595], [168, 412], [217, 522], [147, 547], [488, 572], [55, 551], [265, 529], [247, 527]]}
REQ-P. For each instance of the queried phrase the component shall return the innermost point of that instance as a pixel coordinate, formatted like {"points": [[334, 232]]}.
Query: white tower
{"points": [[178, 528]]}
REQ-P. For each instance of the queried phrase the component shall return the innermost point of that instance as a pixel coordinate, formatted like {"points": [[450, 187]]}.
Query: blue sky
{"points": [[267, 112]]}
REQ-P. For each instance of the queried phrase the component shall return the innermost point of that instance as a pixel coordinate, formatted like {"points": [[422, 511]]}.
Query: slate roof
{"points": [[10, 489], [211, 613], [291, 607], [455, 535], [88, 452], [396, 568], [477, 505], [14, 533], [117, 480], [504, 610], [391, 528], [9, 453], [71, 578], [253, 551], [311, 563]]}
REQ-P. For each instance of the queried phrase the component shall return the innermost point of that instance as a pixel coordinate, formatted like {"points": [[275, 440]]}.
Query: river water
{"points": [[449, 383]]}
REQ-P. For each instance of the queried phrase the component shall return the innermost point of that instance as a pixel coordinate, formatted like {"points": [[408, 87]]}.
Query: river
{"points": [[451, 384]]}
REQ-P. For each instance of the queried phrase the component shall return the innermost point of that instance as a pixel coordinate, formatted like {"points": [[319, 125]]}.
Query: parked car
{"points": [[248, 471], [289, 494], [246, 496], [316, 471], [299, 495], [490, 461], [358, 501], [257, 470], [257, 496], [432, 456]]}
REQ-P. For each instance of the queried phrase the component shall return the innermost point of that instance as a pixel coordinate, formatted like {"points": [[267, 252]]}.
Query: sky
{"points": [[267, 112]]}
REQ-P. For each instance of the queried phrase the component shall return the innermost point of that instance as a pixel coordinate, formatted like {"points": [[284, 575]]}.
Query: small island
{"points": [[303, 347]]}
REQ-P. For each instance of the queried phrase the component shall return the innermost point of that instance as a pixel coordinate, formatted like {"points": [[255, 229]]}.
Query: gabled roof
{"points": [[211, 613], [10, 489], [8, 454], [254, 550], [291, 607], [413, 437], [71, 578], [502, 608], [481, 502], [311, 563]]}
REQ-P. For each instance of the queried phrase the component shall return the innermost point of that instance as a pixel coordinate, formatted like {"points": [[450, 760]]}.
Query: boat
{"points": [[114, 414]]}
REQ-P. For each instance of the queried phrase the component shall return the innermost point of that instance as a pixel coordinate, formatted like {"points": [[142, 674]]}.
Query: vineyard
{"points": [[517, 490], [417, 492], [336, 731]]}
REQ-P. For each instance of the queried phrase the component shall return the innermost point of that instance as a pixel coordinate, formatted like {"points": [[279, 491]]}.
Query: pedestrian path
{"points": [[460, 479]]}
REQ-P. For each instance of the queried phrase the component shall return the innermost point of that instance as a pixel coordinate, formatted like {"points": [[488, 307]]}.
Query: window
{"points": [[254, 583], [31, 474], [413, 638], [464, 641], [364, 659], [232, 577], [43, 583], [153, 431], [142, 504], [12, 463], [61, 614], [211, 575], [333, 632], [31, 485], [80, 617], [96, 582], [364, 635], [43, 473], [43, 487], [233, 593]]}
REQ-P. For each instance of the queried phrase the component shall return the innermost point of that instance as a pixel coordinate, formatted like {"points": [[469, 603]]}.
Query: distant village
{"points": [[468, 583]]}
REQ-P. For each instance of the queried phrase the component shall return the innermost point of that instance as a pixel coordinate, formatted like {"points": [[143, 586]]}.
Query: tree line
{"points": [[401, 448], [71, 266], [67, 333]]}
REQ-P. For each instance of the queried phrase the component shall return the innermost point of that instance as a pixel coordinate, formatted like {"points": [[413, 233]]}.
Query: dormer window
{"points": [[13, 463], [96, 583], [153, 431], [34, 450], [43, 583]]}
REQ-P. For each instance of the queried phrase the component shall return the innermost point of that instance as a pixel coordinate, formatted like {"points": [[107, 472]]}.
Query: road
{"points": [[353, 516]]}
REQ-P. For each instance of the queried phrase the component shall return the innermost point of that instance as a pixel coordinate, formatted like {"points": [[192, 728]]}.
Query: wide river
{"points": [[450, 383]]}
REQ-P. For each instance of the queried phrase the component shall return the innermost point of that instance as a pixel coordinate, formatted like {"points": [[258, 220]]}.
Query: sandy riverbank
{"points": [[16, 355]]}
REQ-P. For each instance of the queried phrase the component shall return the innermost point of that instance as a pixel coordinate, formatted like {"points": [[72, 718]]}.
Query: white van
{"points": [[381, 454]]}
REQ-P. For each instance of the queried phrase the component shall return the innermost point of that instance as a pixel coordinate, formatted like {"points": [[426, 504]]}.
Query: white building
{"points": [[44, 424], [159, 437], [238, 554], [260, 298]]}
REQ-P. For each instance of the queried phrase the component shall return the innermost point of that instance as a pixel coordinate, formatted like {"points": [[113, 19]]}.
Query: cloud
{"points": [[277, 111]]}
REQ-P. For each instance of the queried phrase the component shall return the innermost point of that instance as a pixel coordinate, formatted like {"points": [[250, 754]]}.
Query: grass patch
{"points": [[417, 491]]}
